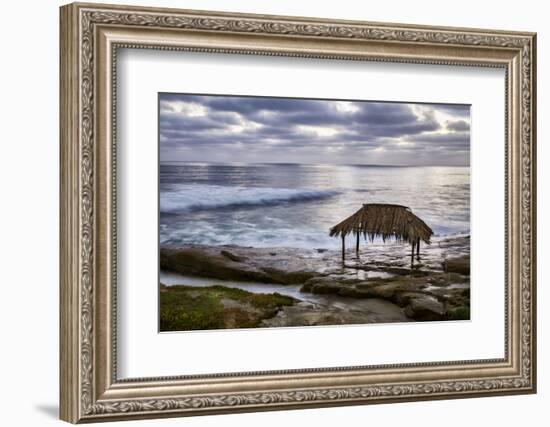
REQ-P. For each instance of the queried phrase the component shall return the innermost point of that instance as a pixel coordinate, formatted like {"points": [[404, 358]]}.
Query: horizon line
{"points": [[312, 164]]}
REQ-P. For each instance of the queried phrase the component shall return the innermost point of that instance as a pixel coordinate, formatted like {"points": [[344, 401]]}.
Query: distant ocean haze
{"points": [[294, 205]]}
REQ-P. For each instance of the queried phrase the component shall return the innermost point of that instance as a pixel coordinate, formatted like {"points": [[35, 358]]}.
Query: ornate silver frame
{"points": [[90, 36]]}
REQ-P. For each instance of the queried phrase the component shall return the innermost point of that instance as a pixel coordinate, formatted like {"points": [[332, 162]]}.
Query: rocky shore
{"points": [[377, 285]]}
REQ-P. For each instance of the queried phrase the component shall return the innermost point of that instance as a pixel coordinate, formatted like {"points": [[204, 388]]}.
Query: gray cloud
{"points": [[261, 129], [459, 125]]}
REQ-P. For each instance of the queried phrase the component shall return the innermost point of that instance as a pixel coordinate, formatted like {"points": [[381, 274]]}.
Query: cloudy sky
{"points": [[210, 128]]}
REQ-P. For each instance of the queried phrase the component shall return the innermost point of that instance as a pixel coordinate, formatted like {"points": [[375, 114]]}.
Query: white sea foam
{"points": [[296, 205]]}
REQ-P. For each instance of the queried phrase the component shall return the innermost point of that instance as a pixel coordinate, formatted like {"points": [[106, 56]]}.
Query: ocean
{"points": [[294, 205]]}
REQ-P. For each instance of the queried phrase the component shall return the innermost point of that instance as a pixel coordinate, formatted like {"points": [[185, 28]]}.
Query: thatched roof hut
{"points": [[386, 221]]}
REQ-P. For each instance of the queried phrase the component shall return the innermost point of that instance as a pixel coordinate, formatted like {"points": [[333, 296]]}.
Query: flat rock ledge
{"points": [[436, 296], [436, 287]]}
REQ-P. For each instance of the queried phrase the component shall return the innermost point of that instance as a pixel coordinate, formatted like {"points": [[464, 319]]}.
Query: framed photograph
{"points": [[267, 212]]}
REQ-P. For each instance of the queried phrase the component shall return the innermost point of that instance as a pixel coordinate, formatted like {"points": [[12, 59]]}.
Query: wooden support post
{"points": [[418, 248], [343, 248], [412, 253], [357, 247]]}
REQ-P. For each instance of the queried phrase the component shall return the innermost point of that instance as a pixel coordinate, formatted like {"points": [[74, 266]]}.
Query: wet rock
{"points": [[445, 279], [328, 284], [306, 287], [386, 291], [404, 299], [457, 265], [237, 264], [325, 288], [425, 308], [398, 270], [431, 290], [288, 277], [232, 256], [214, 264], [355, 292], [304, 314]]}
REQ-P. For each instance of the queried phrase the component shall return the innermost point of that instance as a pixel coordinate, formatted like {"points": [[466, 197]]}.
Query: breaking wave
{"points": [[191, 198]]}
